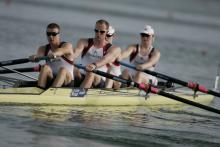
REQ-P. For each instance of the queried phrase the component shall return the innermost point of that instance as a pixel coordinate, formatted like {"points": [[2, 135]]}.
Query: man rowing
{"points": [[113, 68], [96, 53], [143, 56], [58, 72]]}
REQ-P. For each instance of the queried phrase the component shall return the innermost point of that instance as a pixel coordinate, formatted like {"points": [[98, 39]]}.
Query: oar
{"points": [[20, 61], [191, 85], [152, 89], [12, 70], [28, 69]]}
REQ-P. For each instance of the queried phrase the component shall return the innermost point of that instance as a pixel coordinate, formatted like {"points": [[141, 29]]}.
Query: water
{"points": [[187, 34]]}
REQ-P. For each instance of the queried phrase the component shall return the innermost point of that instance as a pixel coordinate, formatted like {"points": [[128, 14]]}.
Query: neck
{"points": [[99, 43], [145, 47], [54, 45]]}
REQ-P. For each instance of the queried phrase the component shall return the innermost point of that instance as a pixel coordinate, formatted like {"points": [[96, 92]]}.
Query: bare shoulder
{"points": [[42, 48], [114, 47], [67, 45], [131, 47], [156, 52], [83, 41]]}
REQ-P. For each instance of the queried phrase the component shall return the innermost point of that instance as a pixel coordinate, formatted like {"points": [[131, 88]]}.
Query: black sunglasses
{"points": [[100, 31], [52, 33], [145, 35], [109, 35]]}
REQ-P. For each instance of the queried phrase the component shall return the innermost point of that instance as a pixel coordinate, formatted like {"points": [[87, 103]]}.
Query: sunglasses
{"points": [[52, 33], [109, 35], [145, 35], [100, 31]]}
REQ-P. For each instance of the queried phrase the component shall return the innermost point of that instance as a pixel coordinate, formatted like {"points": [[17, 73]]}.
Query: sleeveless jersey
{"points": [[137, 58], [59, 62], [92, 54]]}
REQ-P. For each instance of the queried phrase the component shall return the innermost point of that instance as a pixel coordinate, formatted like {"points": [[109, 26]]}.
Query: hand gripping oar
{"points": [[149, 88], [20, 61], [194, 86], [27, 69]]}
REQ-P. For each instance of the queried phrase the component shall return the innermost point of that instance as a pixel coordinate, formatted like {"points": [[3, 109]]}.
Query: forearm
{"points": [[153, 61], [104, 61], [110, 57]]}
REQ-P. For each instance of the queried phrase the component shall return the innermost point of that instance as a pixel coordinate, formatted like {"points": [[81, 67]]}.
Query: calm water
{"points": [[187, 34]]}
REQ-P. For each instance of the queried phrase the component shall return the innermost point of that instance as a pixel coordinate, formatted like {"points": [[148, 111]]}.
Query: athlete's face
{"points": [[53, 35], [147, 39], [100, 31]]}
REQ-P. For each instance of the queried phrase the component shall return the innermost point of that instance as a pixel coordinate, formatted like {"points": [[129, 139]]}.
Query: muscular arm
{"points": [[81, 44], [127, 52], [40, 53], [112, 54], [66, 49]]}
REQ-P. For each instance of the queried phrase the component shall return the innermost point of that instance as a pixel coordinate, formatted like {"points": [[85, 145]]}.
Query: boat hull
{"points": [[92, 97]]}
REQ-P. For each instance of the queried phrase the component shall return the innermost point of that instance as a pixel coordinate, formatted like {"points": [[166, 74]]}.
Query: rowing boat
{"points": [[135, 96], [93, 97]]}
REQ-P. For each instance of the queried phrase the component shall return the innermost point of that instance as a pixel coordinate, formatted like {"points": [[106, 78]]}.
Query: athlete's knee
{"points": [[90, 74], [45, 69], [138, 74], [125, 73], [63, 70]]}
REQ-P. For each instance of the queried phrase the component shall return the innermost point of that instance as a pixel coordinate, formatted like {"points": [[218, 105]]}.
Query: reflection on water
{"points": [[109, 126]]}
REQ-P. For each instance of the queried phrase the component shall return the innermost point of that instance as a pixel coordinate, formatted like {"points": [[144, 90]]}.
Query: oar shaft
{"points": [[150, 88], [213, 93], [20, 73], [12, 62], [28, 69], [211, 109], [20, 61], [190, 85]]}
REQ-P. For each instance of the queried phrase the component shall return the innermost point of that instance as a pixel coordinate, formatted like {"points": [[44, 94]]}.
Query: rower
{"points": [[95, 54], [143, 56], [60, 71], [113, 68]]}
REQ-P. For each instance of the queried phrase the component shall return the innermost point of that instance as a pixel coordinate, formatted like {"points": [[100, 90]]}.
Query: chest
{"points": [[95, 53]]}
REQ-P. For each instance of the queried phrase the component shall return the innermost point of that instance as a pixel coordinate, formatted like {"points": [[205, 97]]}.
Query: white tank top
{"points": [[141, 59], [58, 63], [93, 55], [115, 69]]}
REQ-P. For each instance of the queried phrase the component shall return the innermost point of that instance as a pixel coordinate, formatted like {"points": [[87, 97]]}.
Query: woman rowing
{"points": [[143, 56]]}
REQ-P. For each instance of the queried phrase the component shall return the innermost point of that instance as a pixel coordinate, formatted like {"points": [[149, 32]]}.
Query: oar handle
{"points": [[38, 59]]}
